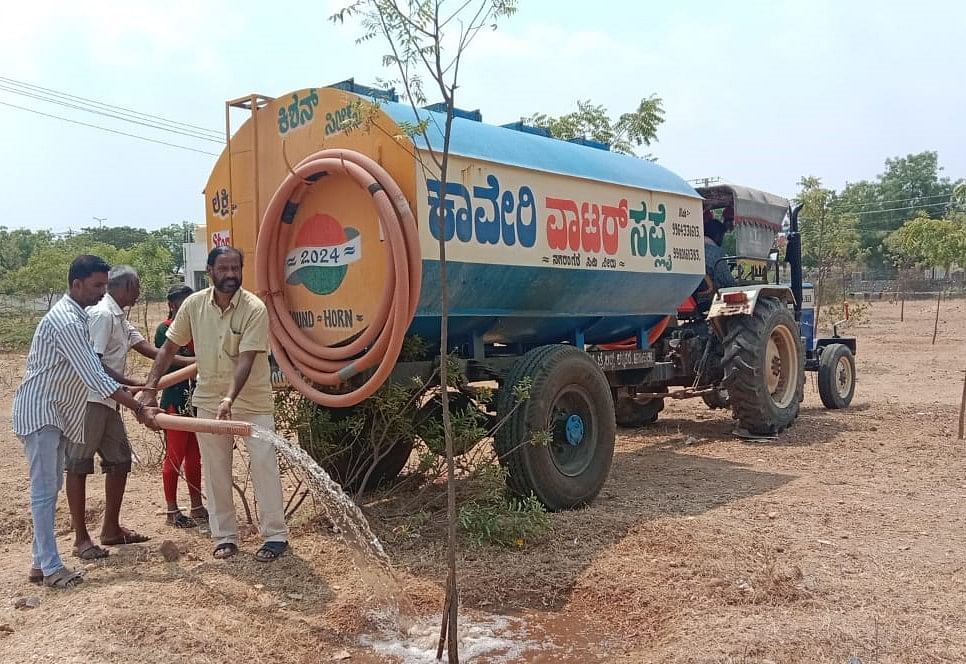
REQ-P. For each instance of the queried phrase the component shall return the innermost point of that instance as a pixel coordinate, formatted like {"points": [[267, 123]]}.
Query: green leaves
{"points": [[928, 242], [35, 264], [829, 235], [592, 121]]}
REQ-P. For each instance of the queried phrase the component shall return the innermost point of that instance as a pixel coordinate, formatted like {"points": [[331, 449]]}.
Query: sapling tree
{"points": [[427, 40]]}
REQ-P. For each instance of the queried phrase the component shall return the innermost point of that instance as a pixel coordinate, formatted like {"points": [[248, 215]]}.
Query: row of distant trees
{"points": [[910, 216], [33, 264]]}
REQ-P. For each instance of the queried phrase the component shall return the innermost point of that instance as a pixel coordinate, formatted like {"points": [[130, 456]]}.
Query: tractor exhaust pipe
{"points": [[793, 255]]}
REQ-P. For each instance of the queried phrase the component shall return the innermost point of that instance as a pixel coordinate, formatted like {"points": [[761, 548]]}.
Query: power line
{"points": [[895, 209], [113, 131], [111, 115], [896, 200], [214, 132]]}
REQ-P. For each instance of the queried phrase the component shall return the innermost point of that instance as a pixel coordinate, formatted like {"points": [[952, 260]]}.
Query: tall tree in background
{"points": [[929, 243], [909, 186], [630, 131], [429, 38], [122, 237], [830, 238], [172, 237], [17, 245], [959, 196]]}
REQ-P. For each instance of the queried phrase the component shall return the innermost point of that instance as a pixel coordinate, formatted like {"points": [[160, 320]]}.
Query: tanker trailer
{"points": [[554, 249]]}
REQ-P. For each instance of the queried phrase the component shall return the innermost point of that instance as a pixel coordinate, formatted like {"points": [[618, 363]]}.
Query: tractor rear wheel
{"points": [[836, 376], [559, 442], [764, 367]]}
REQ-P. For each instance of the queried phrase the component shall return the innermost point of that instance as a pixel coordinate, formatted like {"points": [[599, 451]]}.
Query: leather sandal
{"points": [[270, 551], [63, 578]]}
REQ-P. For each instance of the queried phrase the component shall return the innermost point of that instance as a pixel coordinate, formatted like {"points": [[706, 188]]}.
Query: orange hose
{"points": [[305, 363], [657, 331], [175, 377], [202, 425], [630, 343]]}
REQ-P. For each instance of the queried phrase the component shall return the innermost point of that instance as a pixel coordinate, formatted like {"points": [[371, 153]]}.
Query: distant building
{"points": [[196, 258]]}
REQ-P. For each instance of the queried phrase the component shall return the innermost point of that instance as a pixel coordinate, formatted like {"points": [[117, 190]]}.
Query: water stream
{"points": [[351, 525], [399, 635]]}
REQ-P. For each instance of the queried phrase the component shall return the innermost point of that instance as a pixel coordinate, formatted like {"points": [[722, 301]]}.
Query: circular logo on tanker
{"points": [[322, 254]]}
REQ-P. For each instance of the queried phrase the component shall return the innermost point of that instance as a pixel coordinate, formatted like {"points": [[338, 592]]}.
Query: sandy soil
{"points": [[845, 537]]}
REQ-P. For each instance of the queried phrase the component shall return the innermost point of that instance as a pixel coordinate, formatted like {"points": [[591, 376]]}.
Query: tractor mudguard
{"points": [[745, 306]]}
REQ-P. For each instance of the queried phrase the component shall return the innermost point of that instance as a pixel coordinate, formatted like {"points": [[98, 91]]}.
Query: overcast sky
{"points": [[758, 93]]}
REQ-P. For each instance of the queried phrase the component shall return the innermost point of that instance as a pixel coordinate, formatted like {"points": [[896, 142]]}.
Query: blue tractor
{"points": [[746, 347]]}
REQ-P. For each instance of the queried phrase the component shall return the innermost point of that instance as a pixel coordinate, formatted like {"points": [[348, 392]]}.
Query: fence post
{"points": [[935, 328]]}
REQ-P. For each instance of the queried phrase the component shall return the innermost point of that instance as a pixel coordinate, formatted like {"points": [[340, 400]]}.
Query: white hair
{"points": [[121, 276]]}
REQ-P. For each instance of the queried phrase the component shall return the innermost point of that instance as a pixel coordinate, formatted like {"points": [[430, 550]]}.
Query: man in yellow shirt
{"points": [[229, 328]]}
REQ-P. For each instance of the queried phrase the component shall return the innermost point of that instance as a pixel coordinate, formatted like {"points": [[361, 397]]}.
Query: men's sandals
{"points": [[267, 553], [63, 578], [270, 551]]}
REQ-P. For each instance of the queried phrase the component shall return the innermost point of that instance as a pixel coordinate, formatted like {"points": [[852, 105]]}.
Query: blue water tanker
{"points": [[571, 270]]}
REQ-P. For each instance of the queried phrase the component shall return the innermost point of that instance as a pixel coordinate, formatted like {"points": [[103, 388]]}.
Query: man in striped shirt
{"points": [[49, 406]]}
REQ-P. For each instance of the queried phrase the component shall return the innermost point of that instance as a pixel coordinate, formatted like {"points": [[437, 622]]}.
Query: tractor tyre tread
{"points": [[744, 342]]}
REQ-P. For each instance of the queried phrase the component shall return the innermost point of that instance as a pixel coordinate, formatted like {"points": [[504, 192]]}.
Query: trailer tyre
{"points": [[350, 465], [836, 376], [764, 361], [631, 413], [716, 399], [557, 444]]}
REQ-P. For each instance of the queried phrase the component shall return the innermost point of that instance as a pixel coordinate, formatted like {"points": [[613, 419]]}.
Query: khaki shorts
{"points": [[105, 436]]}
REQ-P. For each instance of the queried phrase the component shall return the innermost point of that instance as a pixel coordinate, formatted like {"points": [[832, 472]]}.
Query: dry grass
{"points": [[844, 537]]}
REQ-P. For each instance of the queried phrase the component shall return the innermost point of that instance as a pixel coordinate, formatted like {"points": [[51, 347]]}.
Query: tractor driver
{"points": [[717, 270]]}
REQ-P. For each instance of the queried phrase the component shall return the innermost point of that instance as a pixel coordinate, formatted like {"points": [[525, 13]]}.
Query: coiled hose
{"points": [[306, 363]]}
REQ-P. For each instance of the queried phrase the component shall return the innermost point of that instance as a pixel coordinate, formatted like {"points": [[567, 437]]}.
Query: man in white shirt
{"points": [[112, 335]]}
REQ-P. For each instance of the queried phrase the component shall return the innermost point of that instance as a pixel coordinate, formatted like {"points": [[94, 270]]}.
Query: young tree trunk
{"points": [[962, 410]]}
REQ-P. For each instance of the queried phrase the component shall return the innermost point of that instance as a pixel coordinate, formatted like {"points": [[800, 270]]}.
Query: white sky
{"points": [[759, 93]]}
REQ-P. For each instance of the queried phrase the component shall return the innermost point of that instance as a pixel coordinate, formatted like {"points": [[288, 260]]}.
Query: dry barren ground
{"points": [[845, 537]]}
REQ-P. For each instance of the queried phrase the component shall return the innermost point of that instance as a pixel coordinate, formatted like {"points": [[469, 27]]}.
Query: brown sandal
{"points": [[35, 575], [128, 537], [90, 552], [63, 578]]}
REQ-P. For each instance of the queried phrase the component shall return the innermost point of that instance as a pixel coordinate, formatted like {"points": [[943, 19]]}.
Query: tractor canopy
{"points": [[755, 216]]}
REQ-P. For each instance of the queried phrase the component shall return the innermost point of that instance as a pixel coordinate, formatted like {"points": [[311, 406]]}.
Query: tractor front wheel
{"points": [[836, 376]]}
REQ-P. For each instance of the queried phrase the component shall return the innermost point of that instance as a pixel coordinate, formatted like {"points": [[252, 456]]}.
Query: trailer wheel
{"points": [[836, 376], [632, 413], [717, 399], [764, 366], [559, 443]]}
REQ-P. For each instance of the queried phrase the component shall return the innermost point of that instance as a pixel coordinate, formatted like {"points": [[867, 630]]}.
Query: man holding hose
{"points": [[228, 326], [50, 404]]}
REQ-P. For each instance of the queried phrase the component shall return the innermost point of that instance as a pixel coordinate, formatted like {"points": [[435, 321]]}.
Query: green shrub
{"points": [[493, 517], [16, 332]]}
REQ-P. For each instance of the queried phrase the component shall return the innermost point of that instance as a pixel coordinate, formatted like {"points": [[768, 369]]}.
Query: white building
{"points": [[196, 259]]}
